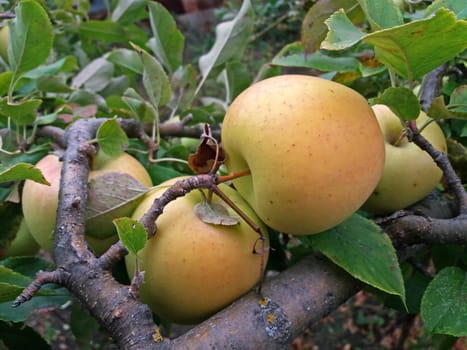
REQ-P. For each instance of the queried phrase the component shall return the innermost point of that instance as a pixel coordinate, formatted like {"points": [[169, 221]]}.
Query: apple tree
{"points": [[111, 152]]}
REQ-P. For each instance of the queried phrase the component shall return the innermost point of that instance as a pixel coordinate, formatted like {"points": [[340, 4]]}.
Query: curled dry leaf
{"points": [[209, 156], [214, 213]]}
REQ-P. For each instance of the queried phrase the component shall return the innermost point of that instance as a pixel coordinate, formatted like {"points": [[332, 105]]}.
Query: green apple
{"points": [[40, 202], [192, 268], [313, 147], [409, 172], [24, 243]]}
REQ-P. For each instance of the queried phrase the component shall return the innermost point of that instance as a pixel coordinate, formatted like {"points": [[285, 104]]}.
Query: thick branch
{"points": [[290, 302]]}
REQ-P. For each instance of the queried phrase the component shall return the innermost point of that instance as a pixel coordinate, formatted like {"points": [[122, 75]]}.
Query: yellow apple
{"points": [[192, 268], [24, 243], [4, 33], [409, 172], [313, 147], [40, 202]]}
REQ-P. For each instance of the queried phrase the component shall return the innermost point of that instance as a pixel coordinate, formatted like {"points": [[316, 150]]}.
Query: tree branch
{"points": [[290, 302]]}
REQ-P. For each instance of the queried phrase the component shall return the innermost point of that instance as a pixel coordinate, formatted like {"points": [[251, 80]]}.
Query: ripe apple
{"points": [[23, 243], [40, 202], [192, 268], [409, 172], [313, 147], [4, 32]]}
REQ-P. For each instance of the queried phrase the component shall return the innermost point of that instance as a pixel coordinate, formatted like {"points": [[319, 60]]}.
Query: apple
{"points": [[313, 147], [409, 172], [23, 243], [194, 269], [4, 33], [40, 202]]}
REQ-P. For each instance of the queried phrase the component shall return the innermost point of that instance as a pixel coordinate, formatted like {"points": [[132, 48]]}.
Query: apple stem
{"points": [[400, 137], [231, 176], [252, 224]]}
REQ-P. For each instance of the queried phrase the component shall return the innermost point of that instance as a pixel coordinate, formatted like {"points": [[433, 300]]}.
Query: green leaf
{"points": [[103, 30], [458, 101], [31, 37], [167, 42], [22, 113], [438, 109], [444, 307], [26, 265], [131, 233], [411, 49], [313, 29], [231, 40], [23, 312], [127, 59], [342, 32], [459, 7], [53, 84], [292, 55], [5, 80], [16, 336], [111, 138], [382, 14], [237, 79], [183, 81], [111, 195], [63, 65], [22, 171], [83, 325], [140, 109], [417, 48], [95, 76], [160, 173], [128, 10], [401, 101], [155, 80], [359, 247]]}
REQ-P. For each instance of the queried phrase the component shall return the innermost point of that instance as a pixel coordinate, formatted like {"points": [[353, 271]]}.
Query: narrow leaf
{"points": [[111, 138], [359, 247], [22, 171], [401, 101], [167, 42], [31, 37], [63, 65], [231, 40], [95, 76], [131, 233], [155, 80], [444, 306]]}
